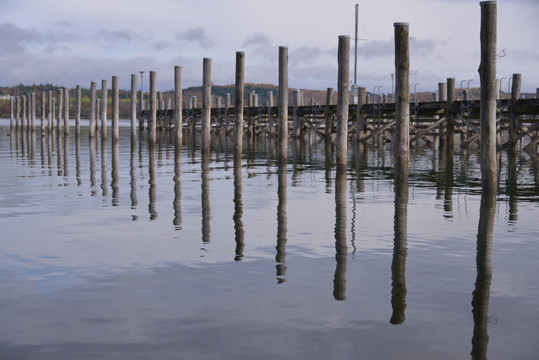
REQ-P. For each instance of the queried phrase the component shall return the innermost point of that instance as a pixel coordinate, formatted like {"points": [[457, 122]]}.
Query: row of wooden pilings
{"points": [[487, 72]]}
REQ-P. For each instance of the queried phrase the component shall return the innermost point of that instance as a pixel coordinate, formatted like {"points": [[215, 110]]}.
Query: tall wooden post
{"points": [[361, 100], [91, 130], [442, 92], [133, 106], [11, 114], [227, 113], [17, 112], [270, 115], [487, 75], [152, 119], [66, 111], [178, 119], [104, 99], [297, 128], [33, 111], [238, 101], [43, 110], [78, 105], [513, 119], [283, 104], [115, 109], [23, 110], [343, 100], [449, 116], [206, 102], [329, 122], [60, 117], [402, 105], [51, 112]]}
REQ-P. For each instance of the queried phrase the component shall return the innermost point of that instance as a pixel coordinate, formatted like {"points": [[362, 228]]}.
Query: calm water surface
{"points": [[138, 252]]}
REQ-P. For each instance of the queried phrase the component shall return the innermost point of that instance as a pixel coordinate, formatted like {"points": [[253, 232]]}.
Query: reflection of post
{"points": [[398, 266], [481, 294], [152, 191], [281, 222], [60, 154], [114, 183], [329, 165], [512, 190], [133, 174], [104, 189], [177, 186], [92, 164], [206, 213], [77, 159], [448, 193], [238, 206], [341, 248]]}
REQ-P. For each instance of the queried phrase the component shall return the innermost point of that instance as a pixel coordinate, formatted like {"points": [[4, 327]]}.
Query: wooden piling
{"points": [[343, 100], [104, 99], [97, 114], [115, 109], [283, 104], [442, 91], [11, 114], [513, 116], [152, 126], [33, 111], [51, 111], [402, 106], [78, 105], [297, 129], [449, 115], [361, 100], [43, 110], [23, 109], [227, 114], [91, 130], [271, 125], [17, 112], [178, 120], [487, 75], [206, 102], [60, 116], [238, 101], [133, 104]]}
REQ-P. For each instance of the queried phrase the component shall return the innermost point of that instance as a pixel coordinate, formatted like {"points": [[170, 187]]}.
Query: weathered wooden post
{"points": [[402, 105], [59, 121], [227, 114], [104, 99], [51, 111], [33, 111], [152, 126], [78, 106], [271, 125], [487, 75], [23, 108], [449, 116], [238, 101], [442, 92], [297, 130], [343, 100], [18, 112], [206, 102], [115, 107], [43, 110], [513, 117], [178, 119], [361, 100], [91, 130], [283, 104], [11, 114], [133, 106]]}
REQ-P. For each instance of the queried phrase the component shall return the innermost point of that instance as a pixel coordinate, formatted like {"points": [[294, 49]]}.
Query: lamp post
{"points": [[500, 87]]}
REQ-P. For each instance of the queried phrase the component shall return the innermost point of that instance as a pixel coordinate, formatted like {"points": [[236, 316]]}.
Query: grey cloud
{"points": [[384, 48], [197, 35], [422, 46], [258, 38], [108, 37], [305, 54], [14, 38]]}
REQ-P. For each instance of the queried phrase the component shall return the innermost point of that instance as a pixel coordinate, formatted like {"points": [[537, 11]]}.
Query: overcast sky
{"points": [[70, 42]]}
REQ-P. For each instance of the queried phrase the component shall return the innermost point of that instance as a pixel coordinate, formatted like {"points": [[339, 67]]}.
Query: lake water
{"points": [[139, 252]]}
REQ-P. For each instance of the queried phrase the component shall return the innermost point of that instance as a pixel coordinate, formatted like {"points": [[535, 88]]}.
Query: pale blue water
{"points": [[136, 253]]}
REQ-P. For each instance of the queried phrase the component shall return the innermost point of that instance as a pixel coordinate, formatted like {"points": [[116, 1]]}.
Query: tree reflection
{"points": [[398, 265], [481, 294]]}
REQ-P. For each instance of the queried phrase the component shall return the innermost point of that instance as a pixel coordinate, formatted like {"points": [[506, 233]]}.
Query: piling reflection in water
{"points": [[238, 206], [512, 185], [152, 190], [398, 265], [177, 202], [104, 189], [114, 174], [60, 154], [280, 257], [341, 248], [448, 183], [205, 198], [77, 160], [65, 144], [481, 294], [91, 145]]}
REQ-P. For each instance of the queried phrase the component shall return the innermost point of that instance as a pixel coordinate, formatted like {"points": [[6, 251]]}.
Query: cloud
{"points": [[197, 35], [258, 38], [385, 48], [305, 55], [14, 38], [108, 38]]}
